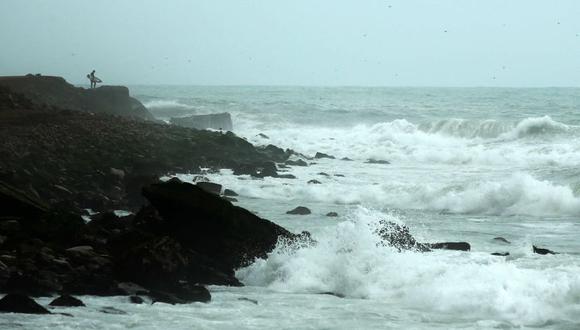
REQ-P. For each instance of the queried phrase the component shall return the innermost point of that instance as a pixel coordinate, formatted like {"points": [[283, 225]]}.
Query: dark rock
{"points": [[19, 303], [501, 254], [377, 161], [286, 176], [399, 237], [542, 251], [136, 300], [501, 240], [230, 199], [320, 155], [338, 295], [300, 210], [210, 187], [212, 226], [166, 298], [221, 121], [264, 136], [112, 310], [276, 154], [460, 246], [298, 162], [314, 181], [339, 175], [195, 293], [17, 203], [67, 301], [230, 193], [255, 302], [332, 214], [56, 92], [259, 169], [323, 174], [346, 159]]}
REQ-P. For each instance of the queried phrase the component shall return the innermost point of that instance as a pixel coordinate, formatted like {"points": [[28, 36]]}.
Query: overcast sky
{"points": [[295, 42]]}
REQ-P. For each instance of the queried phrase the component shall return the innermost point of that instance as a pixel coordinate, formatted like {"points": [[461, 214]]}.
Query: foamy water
{"points": [[466, 165]]}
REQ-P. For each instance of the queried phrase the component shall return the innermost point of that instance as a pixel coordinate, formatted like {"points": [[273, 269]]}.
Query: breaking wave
{"points": [[347, 261]]}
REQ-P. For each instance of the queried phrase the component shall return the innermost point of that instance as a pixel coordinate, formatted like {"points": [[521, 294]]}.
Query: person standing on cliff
{"points": [[93, 79]]}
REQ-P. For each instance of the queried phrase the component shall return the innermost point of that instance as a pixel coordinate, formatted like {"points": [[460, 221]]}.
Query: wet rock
{"points": [[230, 193], [300, 210], [298, 162], [501, 240], [542, 251], [339, 175], [377, 161], [286, 176], [255, 302], [264, 136], [136, 300], [501, 254], [212, 226], [210, 187], [338, 295], [314, 181], [112, 310], [320, 155], [399, 237], [66, 301], [230, 199], [459, 246], [19, 303], [346, 159], [332, 214], [323, 174]]}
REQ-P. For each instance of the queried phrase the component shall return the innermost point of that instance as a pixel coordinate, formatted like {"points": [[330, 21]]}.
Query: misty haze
{"points": [[305, 164]]}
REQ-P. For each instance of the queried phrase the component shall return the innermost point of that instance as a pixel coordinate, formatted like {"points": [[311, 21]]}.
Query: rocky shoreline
{"points": [[60, 166]]}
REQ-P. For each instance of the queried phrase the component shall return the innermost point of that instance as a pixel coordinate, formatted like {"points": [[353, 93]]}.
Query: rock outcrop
{"points": [[56, 92]]}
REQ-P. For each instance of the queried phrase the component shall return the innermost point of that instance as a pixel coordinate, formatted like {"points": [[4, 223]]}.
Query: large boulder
{"points": [[221, 121], [211, 225], [19, 303]]}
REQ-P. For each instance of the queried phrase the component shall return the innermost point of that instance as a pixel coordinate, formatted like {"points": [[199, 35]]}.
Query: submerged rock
{"points": [[19, 303], [459, 246], [501, 240], [67, 301], [255, 302], [332, 214], [314, 181], [377, 161], [320, 155], [542, 251], [300, 210], [501, 254], [136, 300], [298, 162]]}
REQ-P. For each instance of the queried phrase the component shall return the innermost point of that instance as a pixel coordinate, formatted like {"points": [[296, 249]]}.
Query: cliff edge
{"points": [[56, 92]]}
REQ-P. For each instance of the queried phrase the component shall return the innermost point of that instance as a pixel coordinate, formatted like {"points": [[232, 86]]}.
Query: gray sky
{"points": [[296, 42]]}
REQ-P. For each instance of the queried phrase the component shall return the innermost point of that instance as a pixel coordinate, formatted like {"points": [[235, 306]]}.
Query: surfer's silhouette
{"points": [[94, 80]]}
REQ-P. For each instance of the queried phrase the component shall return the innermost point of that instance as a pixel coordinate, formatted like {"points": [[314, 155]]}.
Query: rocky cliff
{"points": [[56, 92]]}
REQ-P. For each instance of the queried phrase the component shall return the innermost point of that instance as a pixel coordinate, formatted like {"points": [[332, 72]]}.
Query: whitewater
{"points": [[465, 164]]}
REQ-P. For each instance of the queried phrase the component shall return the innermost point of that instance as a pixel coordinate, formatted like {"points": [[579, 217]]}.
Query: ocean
{"points": [[466, 164]]}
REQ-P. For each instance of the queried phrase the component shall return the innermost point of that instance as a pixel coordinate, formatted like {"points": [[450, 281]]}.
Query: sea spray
{"points": [[348, 261]]}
